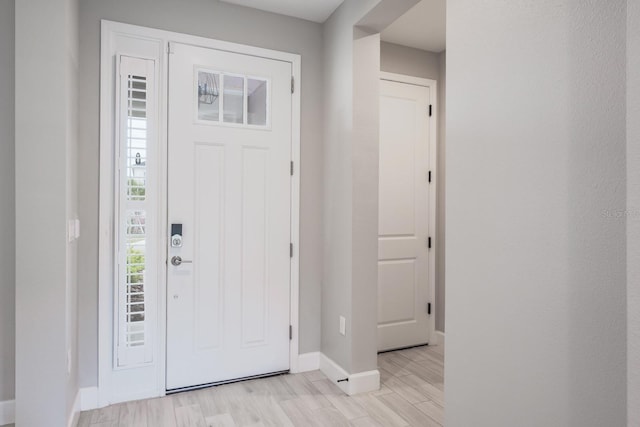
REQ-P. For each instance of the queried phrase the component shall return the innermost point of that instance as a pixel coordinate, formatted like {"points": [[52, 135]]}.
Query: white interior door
{"points": [[229, 188], [403, 230]]}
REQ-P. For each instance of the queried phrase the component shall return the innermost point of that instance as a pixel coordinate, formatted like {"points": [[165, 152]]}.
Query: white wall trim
{"points": [[334, 372], [296, 135], [439, 338], [433, 167], [113, 382], [364, 382], [7, 412], [108, 391], [89, 398], [308, 362], [402, 78], [361, 382]]}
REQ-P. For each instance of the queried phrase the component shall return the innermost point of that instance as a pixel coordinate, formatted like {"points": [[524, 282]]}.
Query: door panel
{"points": [[403, 287], [397, 167], [209, 221], [229, 187], [255, 223], [398, 290]]}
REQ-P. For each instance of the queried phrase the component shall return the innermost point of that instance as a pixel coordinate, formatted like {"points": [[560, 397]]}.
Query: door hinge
{"points": [[429, 242], [291, 168], [290, 332], [170, 48], [430, 110], [429, 308], [293, 84], [290, 250], [429, 176]]}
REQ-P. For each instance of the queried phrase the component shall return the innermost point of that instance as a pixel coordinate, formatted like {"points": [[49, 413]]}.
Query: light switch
{"points": [[71, 231]]}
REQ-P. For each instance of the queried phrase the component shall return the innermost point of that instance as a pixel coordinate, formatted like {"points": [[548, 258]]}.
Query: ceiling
{"points": [[311, 10], [422, 27]]}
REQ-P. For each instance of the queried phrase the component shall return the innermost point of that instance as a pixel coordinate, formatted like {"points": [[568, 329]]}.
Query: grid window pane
{"points": [[233, 99], [208, 96], [257, 102]]}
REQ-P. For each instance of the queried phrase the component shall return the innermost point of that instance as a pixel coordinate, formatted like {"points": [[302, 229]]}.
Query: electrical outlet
{"points": [[343, 326], [73, 230]]}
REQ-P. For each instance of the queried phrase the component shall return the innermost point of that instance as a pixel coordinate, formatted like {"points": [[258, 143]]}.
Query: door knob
{"points": [[177, 261]]}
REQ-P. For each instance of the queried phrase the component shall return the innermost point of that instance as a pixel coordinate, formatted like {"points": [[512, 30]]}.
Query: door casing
{"points": [[146, 381]]}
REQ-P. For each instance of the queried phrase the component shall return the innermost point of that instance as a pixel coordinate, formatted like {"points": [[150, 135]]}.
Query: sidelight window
{"points": [[136, 278]]}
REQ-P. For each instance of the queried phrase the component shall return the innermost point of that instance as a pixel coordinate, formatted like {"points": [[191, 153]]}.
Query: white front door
{"points": [[229, 199], [403, 230]]}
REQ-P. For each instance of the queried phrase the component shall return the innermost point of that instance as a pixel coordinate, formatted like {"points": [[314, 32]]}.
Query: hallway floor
{"points": [[411, 394]]}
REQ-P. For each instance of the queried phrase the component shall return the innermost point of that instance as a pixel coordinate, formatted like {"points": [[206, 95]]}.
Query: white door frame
{"points": [[433, 150], [125, 39]]}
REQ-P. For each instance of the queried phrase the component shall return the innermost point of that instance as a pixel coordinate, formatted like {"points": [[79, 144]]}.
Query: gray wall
{"points": [[633, 210], [7, 206], [536, 271], [208, 18], [398, 59], [72, 58], [337, 237], [351, 82], [441, 195], [428, 65], [46, 140], [365, 160]]}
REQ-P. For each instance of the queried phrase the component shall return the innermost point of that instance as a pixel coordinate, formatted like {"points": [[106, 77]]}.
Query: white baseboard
{"points": [[7, 412], [89, 398], [361, 382], [364, 382], [308, 362], [75, 412], [334, 372], [439, 338]]}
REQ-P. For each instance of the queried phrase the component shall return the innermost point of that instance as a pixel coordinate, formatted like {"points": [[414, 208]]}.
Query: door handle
{"points": [[177, 261]]}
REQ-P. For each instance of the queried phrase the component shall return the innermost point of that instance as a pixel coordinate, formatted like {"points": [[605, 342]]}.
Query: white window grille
{"points": [[135, 221], [232, 99]]}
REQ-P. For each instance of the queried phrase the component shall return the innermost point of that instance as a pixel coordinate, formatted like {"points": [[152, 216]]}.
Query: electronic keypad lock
{"points": [[176, 235]]}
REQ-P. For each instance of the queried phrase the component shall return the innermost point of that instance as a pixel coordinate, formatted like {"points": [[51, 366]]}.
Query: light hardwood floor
{"points": [[411, 394]]}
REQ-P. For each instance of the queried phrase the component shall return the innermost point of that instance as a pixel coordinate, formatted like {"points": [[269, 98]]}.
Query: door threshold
{"points": [[215, 384], [404, 348]]}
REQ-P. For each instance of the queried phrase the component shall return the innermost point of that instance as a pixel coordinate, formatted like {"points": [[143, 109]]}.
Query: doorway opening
{"points": [[199, 212], [406, 217], [411, 249]]}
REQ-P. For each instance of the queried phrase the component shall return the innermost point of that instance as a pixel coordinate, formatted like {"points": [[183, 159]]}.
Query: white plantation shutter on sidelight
{"points": [[136, 222]]}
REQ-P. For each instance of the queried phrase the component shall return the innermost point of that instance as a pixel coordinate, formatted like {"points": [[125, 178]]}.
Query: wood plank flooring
{"points": [[411, 394]]}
